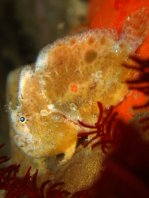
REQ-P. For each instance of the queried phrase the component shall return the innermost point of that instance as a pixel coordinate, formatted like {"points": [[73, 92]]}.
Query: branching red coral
{"points": [[26, 186], [102, 130], [141, 83], [125, 171]]}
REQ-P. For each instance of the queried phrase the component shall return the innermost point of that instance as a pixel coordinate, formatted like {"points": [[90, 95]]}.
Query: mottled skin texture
{"points": [[68, 79]]}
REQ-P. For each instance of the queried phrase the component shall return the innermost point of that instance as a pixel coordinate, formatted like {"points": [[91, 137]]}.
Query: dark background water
{"points": [[25, 27]]}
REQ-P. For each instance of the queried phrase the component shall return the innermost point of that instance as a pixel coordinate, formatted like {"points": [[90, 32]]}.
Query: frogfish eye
{"points": [[22, 119]]}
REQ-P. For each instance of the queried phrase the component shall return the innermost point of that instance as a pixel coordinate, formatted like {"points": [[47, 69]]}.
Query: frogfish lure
{"points": [[67, 80]]}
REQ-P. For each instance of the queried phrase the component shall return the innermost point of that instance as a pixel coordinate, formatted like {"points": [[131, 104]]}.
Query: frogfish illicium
{"points": [[67, 80]]}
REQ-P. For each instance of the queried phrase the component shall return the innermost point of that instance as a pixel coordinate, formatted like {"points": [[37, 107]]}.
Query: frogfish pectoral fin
{"points": [[68, 154]]}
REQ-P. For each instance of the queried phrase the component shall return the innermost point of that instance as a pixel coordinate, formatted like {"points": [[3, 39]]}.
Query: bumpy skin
{"points": [[68, 79]]}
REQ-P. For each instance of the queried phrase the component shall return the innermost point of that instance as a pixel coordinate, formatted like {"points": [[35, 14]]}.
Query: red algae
{"points": [[26, 186], [125, 171], [141, 83], [102, 130]]}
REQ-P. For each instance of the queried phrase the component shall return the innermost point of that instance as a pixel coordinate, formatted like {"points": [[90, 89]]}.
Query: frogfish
{"points": [[66, 81]]}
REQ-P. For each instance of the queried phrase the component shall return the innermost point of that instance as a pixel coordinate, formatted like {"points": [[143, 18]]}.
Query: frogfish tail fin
{"points": [[135, 28]]}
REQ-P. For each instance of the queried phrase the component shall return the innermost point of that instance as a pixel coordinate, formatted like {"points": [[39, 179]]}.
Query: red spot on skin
{"points": [[74, 88], [91, 40]]}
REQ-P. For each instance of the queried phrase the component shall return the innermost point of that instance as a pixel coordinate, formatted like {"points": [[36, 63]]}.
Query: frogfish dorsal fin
{"points": [[135, 28], [25, 75]]}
